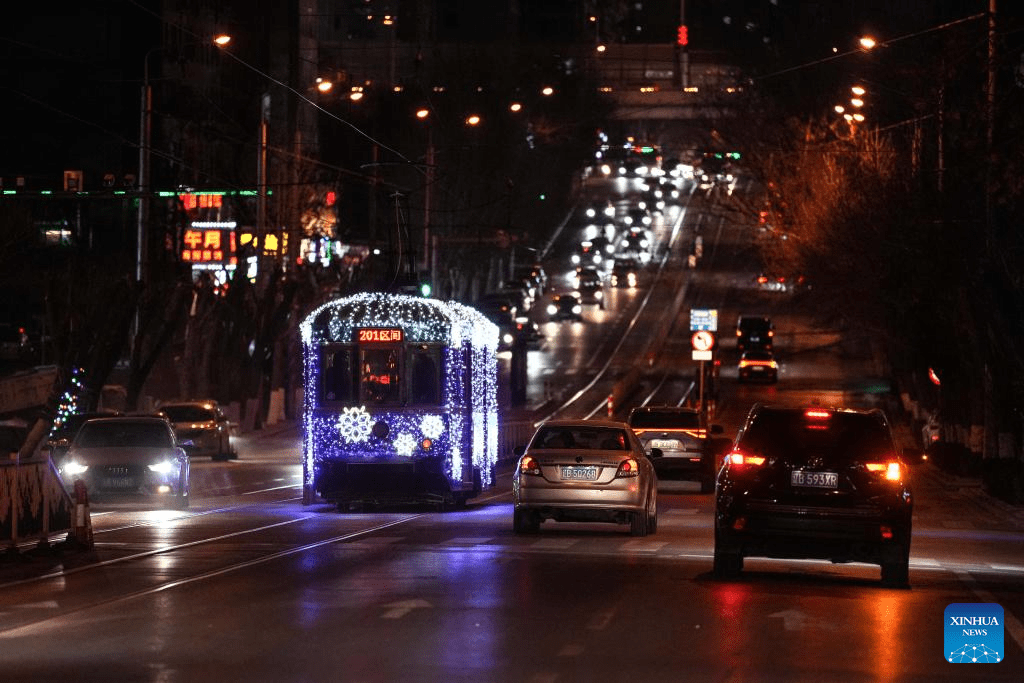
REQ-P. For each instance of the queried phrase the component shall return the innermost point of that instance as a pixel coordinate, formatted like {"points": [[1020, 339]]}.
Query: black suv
{"points": [[755, 332], [688, 452], [817, 483]]}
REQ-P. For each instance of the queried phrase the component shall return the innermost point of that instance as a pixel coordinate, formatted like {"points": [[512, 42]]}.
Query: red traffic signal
{"points": [[682, 35]]}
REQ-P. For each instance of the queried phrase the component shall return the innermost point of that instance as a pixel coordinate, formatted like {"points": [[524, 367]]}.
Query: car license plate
{"points": [[665, 444], [823, 480], [758, 368], [586, 473], [755, 338], [119, 483]]}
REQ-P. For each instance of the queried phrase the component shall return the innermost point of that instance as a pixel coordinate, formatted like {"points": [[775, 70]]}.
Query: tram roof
{"points": [[421, 319]]}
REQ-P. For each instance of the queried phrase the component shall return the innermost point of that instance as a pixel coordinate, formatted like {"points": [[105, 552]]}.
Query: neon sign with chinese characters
{"points": [[209, 245], [379, 334]]}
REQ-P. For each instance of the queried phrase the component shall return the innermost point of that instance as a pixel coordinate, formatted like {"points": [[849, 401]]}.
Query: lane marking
{"points": [[1011, 624], [28, 629]]}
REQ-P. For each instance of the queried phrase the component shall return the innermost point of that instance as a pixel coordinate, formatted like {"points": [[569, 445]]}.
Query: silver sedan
{"points": [[585, 471]]}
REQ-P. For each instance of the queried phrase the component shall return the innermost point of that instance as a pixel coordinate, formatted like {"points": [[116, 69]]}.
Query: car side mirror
{"points": [[518, 451]]}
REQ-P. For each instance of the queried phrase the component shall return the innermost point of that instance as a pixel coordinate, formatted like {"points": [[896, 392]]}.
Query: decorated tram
{"points": [[400, 401]]}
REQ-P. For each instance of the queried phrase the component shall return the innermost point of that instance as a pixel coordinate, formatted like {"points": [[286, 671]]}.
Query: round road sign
{"points": [[702, 340]]}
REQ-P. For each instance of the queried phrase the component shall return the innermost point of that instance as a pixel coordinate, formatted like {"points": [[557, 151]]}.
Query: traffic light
{"points": [[682, 35]]}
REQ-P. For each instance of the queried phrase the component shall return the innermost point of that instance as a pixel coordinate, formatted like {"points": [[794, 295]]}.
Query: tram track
{"points": [[614, 355]]}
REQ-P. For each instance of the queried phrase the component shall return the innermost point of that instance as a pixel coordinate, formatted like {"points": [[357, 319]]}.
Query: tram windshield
{"points": [[381, 376]]}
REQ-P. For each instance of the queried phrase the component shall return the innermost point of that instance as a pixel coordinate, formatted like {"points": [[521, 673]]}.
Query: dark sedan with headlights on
{"points": [[202, 426], [129, 458], [814, 483], [585, 471]]}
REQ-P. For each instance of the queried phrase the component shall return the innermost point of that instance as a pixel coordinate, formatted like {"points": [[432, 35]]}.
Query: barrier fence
{"points": [[33, 502]]}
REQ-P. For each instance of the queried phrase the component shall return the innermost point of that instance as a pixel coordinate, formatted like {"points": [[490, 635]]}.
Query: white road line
{"points": [[469, 540], [600, 621], [643, 546], [554, 543], [1011, 624]]}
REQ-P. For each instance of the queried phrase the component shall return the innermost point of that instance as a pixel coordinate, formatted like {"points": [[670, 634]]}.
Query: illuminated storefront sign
{"points": [[209, 245]]}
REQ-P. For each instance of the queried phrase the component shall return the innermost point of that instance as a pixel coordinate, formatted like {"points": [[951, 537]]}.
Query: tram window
{"points": [[338, 379], [380, 376], [425, 379]]}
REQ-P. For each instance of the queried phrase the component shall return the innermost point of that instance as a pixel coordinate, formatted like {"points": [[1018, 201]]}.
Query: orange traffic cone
{"points": [[83, 523]]}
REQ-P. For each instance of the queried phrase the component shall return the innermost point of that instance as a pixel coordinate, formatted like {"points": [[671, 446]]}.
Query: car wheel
{"points": [[181, 500], [525, 522], [896, 574], [727, 563], [638, 523]]}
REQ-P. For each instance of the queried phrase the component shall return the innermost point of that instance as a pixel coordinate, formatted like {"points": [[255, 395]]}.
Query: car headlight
{"points": [[575, 258], [577, 309], [72, 468], [599, 294], [163, 467], [552, 309], [507, 338]]}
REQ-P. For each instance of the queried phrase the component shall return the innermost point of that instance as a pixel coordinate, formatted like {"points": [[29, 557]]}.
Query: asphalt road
{"points": [[249, 584]]}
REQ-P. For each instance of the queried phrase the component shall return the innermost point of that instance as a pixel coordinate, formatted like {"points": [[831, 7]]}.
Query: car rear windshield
{"points": [[748, 324], [581, 438], [188, 413], [838, 438], [648, 419]]}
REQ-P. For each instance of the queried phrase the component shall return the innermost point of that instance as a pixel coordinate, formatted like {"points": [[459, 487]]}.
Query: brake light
{"points": [[746, 363], [739, 458], [529, 465], [816, 414], [892, 470], [628, 468]]}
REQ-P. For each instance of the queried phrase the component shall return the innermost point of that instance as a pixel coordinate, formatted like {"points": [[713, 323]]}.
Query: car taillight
{"points": [[628, 468], [529, 465], [739, 458], [746, 363], [891, 470], [817, 414]]}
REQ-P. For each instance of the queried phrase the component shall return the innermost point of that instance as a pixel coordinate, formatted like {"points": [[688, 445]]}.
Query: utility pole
{"points": [[261, 182]]}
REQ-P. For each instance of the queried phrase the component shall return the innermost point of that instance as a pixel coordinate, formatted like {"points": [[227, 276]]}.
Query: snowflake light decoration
{"points": [[432, 426], [354, 424], [405, 444]]}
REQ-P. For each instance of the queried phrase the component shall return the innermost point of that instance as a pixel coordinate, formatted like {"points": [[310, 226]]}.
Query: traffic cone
{"points": [[83, 523]]}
